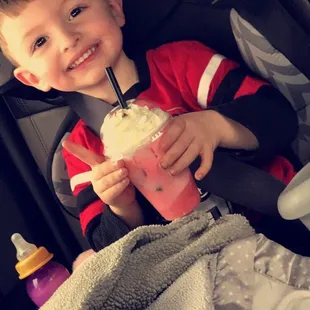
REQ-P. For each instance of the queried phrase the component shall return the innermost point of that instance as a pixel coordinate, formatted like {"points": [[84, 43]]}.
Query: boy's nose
{"points": [[69, 41]]}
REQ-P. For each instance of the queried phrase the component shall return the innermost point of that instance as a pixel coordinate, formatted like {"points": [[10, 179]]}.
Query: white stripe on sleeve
{"points": [[80, 179], [206, 79]]}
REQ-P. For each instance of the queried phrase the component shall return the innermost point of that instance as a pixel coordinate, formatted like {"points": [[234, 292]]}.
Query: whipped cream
{"points": [[125, 130]]}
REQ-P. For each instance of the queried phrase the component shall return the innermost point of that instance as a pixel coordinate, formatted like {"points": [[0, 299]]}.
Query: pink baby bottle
{"points": [[43, 275]]}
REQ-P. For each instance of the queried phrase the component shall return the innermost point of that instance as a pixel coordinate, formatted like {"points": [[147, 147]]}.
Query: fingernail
{"points": [[121, 171], [119, 164], [164, 165], [172, 172], [125, 181], [199, 176]]}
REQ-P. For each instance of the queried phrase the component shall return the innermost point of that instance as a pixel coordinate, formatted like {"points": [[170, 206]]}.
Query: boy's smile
{"points": [[83, 58], [66, 44]]}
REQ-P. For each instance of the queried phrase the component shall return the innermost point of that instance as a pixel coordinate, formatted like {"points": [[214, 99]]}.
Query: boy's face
{"points": [[65, 44]]}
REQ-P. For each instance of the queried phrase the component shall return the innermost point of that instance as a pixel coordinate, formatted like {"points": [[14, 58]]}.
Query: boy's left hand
{"points": [[199, 134], [188, 136]]}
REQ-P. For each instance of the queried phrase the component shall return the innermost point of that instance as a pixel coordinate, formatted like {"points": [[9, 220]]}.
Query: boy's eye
{"points": [[75, 12], [41, 41]]}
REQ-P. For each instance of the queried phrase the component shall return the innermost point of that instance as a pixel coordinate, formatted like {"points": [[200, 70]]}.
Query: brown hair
{"points": [[9, 8]]}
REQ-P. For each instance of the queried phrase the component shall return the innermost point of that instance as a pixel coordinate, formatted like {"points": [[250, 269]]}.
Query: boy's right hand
{"points": [[109, 179]]}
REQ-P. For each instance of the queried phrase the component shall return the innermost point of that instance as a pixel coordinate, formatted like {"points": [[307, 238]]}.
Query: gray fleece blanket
{"points": [[192, 263], [134, 271]]}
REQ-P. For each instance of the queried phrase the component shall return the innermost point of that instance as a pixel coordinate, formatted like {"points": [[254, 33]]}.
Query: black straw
{"points": [[115, 86]]}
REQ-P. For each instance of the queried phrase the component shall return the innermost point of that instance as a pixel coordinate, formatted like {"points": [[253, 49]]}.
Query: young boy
{"points": [[66, 44]]}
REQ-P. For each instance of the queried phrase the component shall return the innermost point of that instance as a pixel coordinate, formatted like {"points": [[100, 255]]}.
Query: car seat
{"points": [[270, 38]]}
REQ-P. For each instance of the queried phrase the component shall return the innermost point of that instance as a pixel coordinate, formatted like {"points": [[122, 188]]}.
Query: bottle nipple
{"points": [[23, 248]]}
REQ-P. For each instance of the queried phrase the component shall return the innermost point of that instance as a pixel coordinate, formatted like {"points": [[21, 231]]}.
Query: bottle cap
{"points": [[30, 258]]}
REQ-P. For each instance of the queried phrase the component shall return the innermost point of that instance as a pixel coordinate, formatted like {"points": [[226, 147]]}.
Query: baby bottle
{"points": [[43, 275]]}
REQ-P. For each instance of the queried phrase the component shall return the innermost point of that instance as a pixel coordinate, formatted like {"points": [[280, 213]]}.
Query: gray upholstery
{"points": [[39, 130], [268, 62], [61, 182], [302, 144]]}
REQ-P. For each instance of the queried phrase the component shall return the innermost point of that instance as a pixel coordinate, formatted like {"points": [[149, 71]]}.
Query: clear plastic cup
{"points": [[172, 196]]}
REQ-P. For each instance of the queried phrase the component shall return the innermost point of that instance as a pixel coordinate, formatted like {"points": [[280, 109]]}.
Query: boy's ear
{"points": [[30, 79], [116, 7]]}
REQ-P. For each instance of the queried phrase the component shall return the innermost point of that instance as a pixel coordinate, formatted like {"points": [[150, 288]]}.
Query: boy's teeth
{"points": [[82, 58]]}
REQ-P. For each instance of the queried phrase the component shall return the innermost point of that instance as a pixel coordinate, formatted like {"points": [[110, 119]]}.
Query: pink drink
{"points": [[172, 196]]}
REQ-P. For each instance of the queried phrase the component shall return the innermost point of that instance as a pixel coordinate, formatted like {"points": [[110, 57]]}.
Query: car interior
{"points": [[36, 199]]}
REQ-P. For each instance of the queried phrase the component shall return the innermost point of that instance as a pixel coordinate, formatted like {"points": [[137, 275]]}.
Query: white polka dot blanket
{"points": [[192, 263]]}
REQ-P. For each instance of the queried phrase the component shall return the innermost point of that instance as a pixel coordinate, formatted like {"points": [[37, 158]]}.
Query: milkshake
{"points": [[133, 135]]}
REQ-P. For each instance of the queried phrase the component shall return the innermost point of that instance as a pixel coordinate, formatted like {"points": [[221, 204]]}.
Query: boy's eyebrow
{"points": [[29, 32]]}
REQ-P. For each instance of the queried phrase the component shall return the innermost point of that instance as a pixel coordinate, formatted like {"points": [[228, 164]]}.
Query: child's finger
{"points": [[206, 163], [176, 150], [116, 190], [171, 134], [86, 156], [105, 168], [110, 180], [186, 159]]}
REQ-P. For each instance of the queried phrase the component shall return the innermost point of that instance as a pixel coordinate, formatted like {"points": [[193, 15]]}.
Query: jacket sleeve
{"points": [[208, 80], [99, 224], [106, 228]]}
